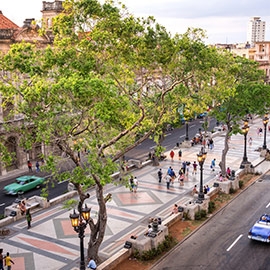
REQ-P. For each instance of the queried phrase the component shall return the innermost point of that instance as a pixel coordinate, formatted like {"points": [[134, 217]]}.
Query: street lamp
{"points": [[245, 130], [201, 158], [265, 122], [79, 222]]}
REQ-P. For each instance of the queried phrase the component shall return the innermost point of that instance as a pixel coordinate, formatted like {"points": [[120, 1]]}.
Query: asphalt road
{"points": [[222, 242]]}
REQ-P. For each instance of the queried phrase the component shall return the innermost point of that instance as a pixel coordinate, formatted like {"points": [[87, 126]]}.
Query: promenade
{"points": [[52, 244]]}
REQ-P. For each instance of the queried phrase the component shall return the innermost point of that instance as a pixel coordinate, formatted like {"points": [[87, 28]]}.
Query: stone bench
{"points": [[114, 260], [134, 162], [170, 220]]}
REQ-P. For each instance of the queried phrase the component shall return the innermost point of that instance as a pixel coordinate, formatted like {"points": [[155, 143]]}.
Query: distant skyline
{"points": [[223, 21]]}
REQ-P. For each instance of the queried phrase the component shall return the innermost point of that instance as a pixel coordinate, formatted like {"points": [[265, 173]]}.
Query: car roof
{"points": [[26, 177]]}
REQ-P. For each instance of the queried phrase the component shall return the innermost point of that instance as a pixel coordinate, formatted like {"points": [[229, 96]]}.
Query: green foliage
{"points": [[241, 184], [201, 214], [232, 190], [211, 207]]}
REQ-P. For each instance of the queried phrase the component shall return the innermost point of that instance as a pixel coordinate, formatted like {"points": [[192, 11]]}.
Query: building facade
{"points": [[10, 33]]}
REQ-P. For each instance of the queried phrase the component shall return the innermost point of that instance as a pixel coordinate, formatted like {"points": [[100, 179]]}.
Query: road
{"points": [[222, 243], [140, 152]]}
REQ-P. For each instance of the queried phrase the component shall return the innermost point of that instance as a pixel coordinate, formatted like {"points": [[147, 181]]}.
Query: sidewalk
{"points": [[52, 244]]}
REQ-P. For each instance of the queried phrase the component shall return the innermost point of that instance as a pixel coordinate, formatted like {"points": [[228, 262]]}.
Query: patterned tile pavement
{"points": [[52, 244]]}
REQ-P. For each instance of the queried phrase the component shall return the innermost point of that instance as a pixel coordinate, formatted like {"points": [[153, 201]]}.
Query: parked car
{"points": [[261, 229], [23, 184]]}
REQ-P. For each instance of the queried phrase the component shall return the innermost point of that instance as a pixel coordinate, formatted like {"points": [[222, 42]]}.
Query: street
{"points": [[222, 243]]}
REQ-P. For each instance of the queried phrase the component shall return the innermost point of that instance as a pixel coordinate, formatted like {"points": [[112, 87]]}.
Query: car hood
{"points": [[12, 186]]}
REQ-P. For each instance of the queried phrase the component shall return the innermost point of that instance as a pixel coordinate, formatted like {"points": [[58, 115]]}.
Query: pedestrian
{"points": [[92, 264], [28, 218], [213, 165], [135, 186], [159, 175], [1, 259], [260, 131], [172, 155], [37, 167], [131, 183], [181, 178], [187, 167], [180, 154], [195, 165], [204, 189], [8, 261], [211, 144], [250, 141], [184, 166], [228, 172], [168, 180], [29, 165], [207, 188], [172, 175]]}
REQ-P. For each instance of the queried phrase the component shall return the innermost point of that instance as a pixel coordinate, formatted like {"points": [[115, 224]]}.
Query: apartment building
{"points": [[256, 30]]}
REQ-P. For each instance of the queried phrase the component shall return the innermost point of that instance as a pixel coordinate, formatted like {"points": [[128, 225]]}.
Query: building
{"points": [[10, 33], [256, 30]]}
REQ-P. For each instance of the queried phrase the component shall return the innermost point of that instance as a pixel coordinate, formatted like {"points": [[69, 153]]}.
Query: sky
{"points": [[223, 21]]}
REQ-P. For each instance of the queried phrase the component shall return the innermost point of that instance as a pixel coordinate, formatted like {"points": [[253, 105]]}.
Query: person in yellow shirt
{"points": [[8, 261]]}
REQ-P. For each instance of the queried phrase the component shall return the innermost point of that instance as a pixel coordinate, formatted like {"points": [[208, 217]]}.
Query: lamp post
{"points": [[201, 158], [265, 122], [245, 130], [79, 222], [187, 138]]}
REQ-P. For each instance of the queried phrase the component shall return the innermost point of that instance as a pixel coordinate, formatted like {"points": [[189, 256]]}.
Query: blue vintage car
{"points": [[261, 229]]}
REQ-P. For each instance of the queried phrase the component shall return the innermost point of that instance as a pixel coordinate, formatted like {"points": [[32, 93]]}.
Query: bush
{"points": [[166, 245], [211, 207], [200, 214], [232, 190], [241, 184]]}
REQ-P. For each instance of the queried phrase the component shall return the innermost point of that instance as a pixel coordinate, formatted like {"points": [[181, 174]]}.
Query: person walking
{"points": [[8, 261], [213, 164], [160, 175], [131, 183], [1, 259], [29, 165], [195, 165], [172, 155], [168, 180], [180, 154], [135, 186], [37, 167], [28, 218]]}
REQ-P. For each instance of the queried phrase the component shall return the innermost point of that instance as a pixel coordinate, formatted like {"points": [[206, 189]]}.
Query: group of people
{"points": [[5, 260], [30, 165]]}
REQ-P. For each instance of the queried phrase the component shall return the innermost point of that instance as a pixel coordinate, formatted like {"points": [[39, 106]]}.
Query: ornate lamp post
{"points": [[245, 130], [265, 122], [187, 138], [79, 222], [201, 158]]}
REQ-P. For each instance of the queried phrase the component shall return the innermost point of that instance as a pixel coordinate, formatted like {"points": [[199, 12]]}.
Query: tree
{"points": [[246, 94], [107, 78]]}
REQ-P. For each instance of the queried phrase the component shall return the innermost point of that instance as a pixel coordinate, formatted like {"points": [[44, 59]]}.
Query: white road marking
{"points": [[182, 136], [152, 147], [238, 238], [2, 204], [267, 205]]}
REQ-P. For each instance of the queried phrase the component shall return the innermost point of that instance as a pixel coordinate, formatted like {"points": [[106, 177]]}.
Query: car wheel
{"points": [[20, 192], [38, 186]]}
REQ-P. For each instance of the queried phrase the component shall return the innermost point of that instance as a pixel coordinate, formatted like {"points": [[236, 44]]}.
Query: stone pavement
{"points": [[52, 244]]}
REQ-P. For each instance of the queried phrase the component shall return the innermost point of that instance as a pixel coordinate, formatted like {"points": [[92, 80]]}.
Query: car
{"points": [[261, 229], [23, 184]]}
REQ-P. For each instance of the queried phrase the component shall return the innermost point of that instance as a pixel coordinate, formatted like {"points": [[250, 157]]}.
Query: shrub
{"points": [[211, 207], [166, 245], [232, 190], [241, 184]]}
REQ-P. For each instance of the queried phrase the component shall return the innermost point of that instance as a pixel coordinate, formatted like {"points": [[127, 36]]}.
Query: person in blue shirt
{"points": [[92, 264]]}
